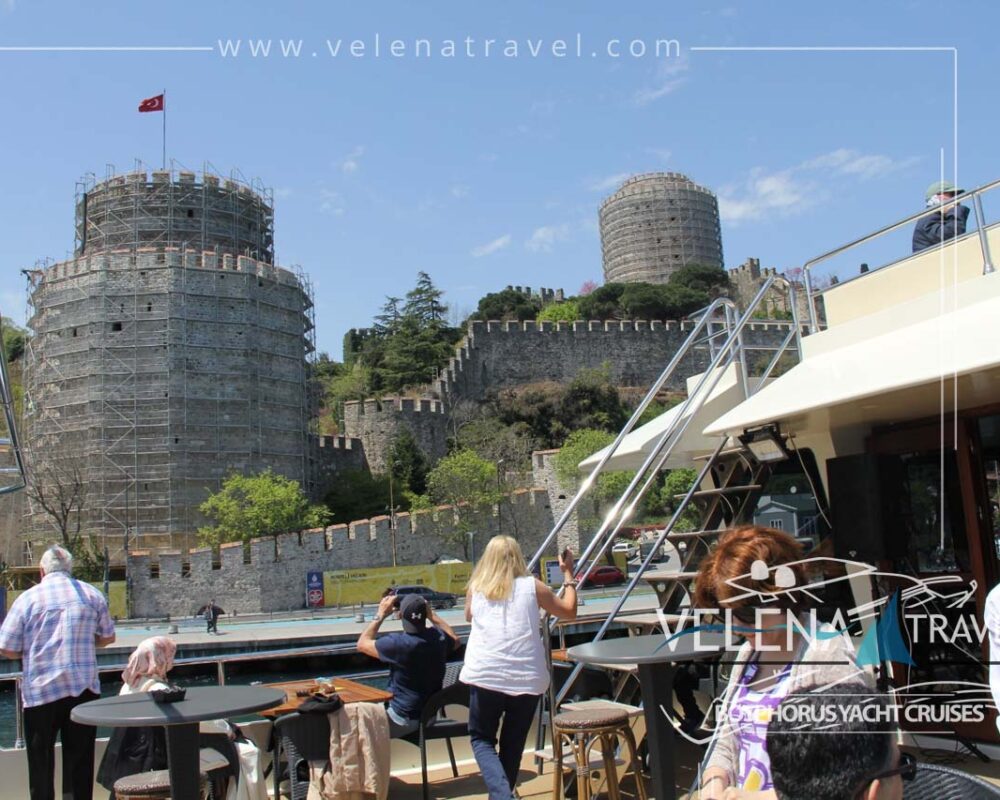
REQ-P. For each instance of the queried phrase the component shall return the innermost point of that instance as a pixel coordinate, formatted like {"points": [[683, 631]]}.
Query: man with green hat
{"points": [[945, 222]]}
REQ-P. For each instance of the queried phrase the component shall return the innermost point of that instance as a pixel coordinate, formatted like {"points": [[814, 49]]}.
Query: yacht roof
{"points": [[883, 373]]}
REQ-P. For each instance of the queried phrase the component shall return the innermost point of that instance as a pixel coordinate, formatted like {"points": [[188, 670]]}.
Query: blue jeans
{"points": [[486, 707]]}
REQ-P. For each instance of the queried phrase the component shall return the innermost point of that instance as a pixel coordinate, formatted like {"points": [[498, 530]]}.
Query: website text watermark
{"points": [[377, 46]]}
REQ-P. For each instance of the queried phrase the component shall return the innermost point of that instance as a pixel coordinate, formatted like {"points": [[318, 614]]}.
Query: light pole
{"points": [[472, 546], [499, 497]]}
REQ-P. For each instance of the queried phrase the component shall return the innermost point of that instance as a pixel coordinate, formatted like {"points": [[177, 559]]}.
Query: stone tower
{"points": [[655, 224], [167, 353]]}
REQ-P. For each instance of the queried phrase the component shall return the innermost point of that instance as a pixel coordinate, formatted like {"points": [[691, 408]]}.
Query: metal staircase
{"points": [[725, 481]]}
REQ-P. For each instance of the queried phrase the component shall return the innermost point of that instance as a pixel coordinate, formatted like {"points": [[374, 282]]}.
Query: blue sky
{"points": [[488, 171]]}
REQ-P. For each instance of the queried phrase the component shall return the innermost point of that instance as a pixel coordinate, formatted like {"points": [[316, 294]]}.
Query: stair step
{"points": [[727, 453], [672, 536], [750, 487]]}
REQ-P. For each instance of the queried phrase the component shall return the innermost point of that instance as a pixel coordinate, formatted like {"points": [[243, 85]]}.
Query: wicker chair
{"points": [[934, 782]]}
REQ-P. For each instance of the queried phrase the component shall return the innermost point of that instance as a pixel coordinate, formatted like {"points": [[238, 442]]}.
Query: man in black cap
{"points": [[416, 657]]}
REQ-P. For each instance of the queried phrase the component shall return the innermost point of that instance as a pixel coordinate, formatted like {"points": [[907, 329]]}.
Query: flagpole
{"points": [[164, 129]]}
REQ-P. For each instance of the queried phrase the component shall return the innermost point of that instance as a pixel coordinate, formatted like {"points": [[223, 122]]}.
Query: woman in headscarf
{"points": [[134, 750]]}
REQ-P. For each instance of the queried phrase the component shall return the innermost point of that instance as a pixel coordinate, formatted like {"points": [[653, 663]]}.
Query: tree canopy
{"points": [[251, 506]]}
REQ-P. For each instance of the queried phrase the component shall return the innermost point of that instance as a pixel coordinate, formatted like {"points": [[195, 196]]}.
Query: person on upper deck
{"points": [[55, 628], [416, 657], [751, 572], [505, 663], [943, 223]]}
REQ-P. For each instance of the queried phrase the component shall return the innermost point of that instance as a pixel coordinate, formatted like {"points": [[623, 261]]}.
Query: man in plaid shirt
{"points": [[55, 628]]}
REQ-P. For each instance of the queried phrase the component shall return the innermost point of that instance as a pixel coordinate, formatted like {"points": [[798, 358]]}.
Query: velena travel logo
{"points": [[890, 617]]}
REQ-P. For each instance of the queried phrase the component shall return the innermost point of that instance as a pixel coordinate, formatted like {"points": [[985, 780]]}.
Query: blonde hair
{"points": [[501, 564]]}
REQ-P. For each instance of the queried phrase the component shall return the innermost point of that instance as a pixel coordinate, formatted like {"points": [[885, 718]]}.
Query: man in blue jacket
{"points": [[943, 223]]}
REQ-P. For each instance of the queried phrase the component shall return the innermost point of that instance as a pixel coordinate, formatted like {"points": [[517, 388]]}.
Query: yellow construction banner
{"points": [[346, 587], [116, 597]]}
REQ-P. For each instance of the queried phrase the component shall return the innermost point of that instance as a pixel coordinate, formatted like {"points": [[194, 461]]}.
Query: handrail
{"points": [[973, 195], [695, 398], [731, 349], [719, 302]]}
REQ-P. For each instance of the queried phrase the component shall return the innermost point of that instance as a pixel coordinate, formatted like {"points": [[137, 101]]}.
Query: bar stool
{"points": [[585, 729], [148, 786]]}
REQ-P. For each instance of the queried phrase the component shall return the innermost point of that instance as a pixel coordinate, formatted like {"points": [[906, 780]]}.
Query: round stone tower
{"points": [[169, 352], [655, 224]]}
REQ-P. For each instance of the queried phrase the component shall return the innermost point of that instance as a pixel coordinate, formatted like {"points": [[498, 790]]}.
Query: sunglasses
{"points": [[906, 769]]}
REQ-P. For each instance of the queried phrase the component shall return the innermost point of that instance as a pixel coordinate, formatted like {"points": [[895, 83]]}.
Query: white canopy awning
{"points": [[894, 375], [637, 446]]}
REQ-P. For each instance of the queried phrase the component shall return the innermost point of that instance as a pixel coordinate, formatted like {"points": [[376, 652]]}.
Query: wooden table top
{"points": [[349, 691]]}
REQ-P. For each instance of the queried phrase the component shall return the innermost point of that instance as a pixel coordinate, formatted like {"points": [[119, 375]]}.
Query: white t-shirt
{"points": [[505, 651]]}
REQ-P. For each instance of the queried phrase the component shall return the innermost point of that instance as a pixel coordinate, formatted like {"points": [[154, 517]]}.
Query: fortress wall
{"points": [[270, 574], [501, 355], [376, 423]]}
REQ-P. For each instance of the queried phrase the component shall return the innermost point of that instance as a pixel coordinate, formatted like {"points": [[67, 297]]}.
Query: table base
{"points": [[657, 682], [183, 755]]}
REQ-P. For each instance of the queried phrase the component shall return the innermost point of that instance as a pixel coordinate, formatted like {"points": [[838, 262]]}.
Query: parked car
{"points": [[602, 576], [434, 599], [630, 549]]}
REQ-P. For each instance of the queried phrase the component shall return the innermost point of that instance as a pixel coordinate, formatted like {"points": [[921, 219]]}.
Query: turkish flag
{"points": [[152, 104]]}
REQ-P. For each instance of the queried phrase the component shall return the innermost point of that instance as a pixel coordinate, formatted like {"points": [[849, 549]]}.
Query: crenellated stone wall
{"points": [[501, 355], [495, 356], [376, 423], [269, 574]]}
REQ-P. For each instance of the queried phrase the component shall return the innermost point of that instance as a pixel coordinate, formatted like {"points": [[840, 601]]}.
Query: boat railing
{"points": [[219, 661], [730, 351], [973, 197]]}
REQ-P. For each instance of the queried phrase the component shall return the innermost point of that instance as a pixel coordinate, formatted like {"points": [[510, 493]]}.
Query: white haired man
{"points": [[55, 628]]}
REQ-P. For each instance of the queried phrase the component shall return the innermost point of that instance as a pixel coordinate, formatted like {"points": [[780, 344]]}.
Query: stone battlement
{"points": [[394, 405], [269, 574], [545, 295], [151, 258], [497, 355]]}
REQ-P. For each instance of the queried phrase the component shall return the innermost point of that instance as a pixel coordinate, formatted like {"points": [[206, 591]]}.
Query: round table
{"points": [[656, 659], [180, 720]]}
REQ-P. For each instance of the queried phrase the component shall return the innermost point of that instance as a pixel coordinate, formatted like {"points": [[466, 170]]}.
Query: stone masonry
{"points": [[269, 574]]}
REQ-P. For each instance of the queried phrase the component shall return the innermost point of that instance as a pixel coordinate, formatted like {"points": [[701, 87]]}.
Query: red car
{"points": [[602, 576]]}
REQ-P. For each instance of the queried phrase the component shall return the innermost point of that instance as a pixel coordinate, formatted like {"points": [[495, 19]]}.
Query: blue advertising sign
{"points": [[314, 589]]}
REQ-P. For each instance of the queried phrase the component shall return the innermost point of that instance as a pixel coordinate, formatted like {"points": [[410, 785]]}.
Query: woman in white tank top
{"points": [[505, 658]]}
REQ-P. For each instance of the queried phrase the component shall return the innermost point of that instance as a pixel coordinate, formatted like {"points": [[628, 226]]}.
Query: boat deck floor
{"points": [[469, 784]]}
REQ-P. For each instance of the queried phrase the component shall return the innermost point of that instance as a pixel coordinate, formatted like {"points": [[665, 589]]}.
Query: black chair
{"points": [[934, 782], [300, 738], [435, 724]]}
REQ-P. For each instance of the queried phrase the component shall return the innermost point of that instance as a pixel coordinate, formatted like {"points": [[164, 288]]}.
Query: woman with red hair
{"points": [[750, 577]]}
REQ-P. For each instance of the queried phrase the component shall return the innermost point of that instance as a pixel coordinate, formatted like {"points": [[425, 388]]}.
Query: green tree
{"points": [[409, 342], [357, 494], [709, 280], [250, 506], [645, 301], [603, 302], [508, 304], [566, 311], [408, 465], [592, 401], [14, 340], [467, 482], [678, 482]]}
